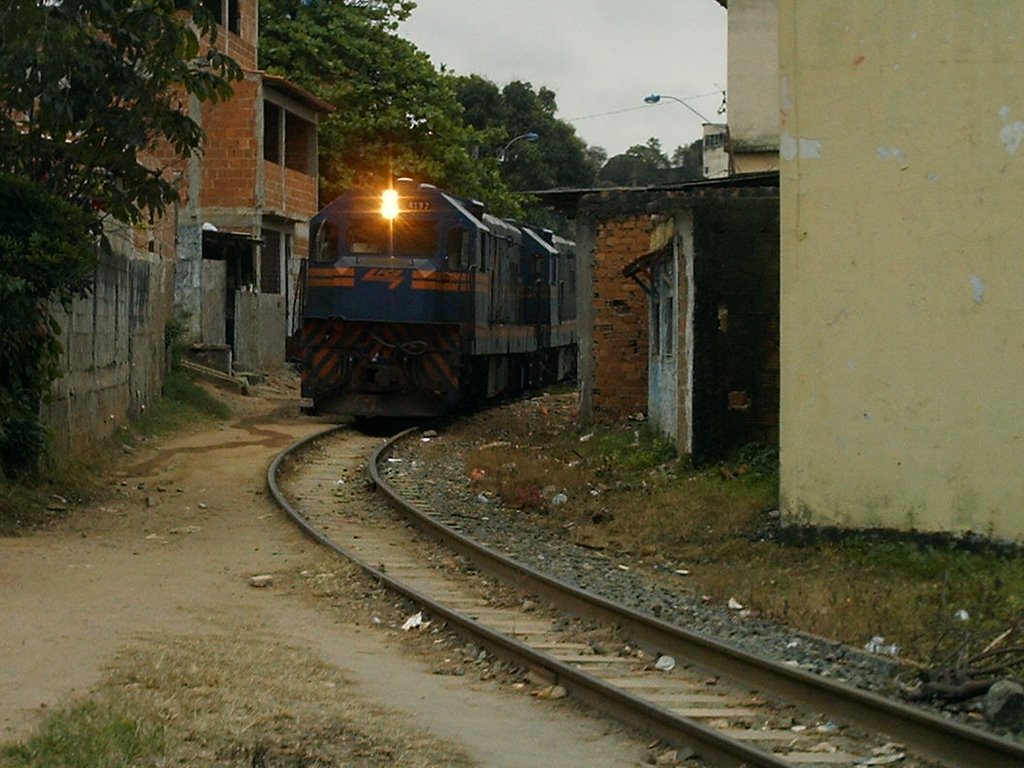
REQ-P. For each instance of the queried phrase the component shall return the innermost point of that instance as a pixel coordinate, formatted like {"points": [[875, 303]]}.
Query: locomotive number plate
{"points": [[417, 205]]}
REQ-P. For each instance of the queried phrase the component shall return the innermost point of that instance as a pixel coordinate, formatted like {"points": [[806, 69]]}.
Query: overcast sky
{"points": [[600, 57]]}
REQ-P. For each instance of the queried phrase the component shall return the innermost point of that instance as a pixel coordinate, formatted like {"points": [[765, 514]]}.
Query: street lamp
{"points": [[654, 98], [528, 136]]}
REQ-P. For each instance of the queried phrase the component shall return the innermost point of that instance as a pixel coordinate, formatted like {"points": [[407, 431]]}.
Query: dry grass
{"points": [[629, 495], [239, 699]]}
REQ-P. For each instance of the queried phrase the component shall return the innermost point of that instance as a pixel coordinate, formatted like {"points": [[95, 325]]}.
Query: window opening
{"points": [[271, 132], [325, 246], [458, 247], [299, 143], [414, 239], [226, 14], [270, 262]]}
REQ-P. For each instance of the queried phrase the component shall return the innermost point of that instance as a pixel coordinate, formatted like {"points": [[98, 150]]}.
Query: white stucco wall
{"points": [[902, 286]]}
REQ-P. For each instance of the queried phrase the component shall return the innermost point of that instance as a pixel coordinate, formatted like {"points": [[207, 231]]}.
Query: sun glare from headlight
{"points": [[389, 204]]}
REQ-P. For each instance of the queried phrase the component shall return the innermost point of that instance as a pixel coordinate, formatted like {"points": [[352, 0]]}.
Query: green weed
{"points": [[630, 449], [184, 402], [88, 735]]}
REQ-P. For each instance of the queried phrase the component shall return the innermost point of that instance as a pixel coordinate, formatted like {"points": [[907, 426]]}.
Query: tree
{"points": [[646, 164], [688, 161], [91, 93], [396, 114], [46, 258], [557, 159], [596, 158], [89, 89], [640, 165]]}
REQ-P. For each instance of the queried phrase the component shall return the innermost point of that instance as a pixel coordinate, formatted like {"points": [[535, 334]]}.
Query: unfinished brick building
{"points": [[242, 226], [679, 309]]}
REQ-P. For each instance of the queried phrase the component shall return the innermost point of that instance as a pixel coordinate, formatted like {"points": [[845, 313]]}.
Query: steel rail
{"points": [[925, 734], [586, 688]]}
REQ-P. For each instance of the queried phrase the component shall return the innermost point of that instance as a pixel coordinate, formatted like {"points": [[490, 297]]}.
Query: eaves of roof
{"points": [[567, 200], [297, 92]]}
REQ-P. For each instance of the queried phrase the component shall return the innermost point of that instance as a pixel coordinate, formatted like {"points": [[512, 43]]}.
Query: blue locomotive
{"points": [[416, 300]]}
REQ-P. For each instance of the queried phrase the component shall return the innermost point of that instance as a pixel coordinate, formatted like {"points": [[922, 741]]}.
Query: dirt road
{"points": [[170, 554]]}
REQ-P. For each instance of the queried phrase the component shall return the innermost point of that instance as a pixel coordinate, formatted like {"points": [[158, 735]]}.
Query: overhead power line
{"points": [[633, 109]]}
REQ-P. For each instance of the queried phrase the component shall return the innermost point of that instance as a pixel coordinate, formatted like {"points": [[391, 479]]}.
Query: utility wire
{"points": [[634, 109]]}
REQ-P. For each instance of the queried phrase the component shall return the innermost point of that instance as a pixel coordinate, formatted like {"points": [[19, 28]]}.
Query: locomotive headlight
{"points": [[389, 204]]}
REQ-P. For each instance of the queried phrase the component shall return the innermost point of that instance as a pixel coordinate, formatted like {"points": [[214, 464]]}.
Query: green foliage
{"points": [[559, 158], [645, 164], [88, 735], [184, 402], [88, 91], [87, 88], [630, 449], [396, 115], [758, 459], [47, 258], [688, 162], [934, 561], [180, 388]]}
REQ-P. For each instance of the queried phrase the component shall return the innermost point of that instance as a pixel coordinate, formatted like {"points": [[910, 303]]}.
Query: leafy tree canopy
{"points": [[558, 158], [88, 88], [46, 256], [645, 164], [396, 114], [91, 94]]}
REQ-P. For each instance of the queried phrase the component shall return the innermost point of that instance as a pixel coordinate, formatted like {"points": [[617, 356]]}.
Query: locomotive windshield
{"points": [[409, 238]]}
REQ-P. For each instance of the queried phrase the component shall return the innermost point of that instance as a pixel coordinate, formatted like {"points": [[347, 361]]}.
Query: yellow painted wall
{"points": [[902, 286], [753, 66], [755, 162]]}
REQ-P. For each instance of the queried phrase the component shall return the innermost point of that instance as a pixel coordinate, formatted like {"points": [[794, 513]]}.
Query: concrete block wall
{"points": [[115, 355], [261, 347]]}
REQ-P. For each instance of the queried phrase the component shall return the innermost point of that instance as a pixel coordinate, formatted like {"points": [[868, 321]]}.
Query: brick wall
{"points": [[241, 45], [619, 311], [232, 153], [289, 193]]}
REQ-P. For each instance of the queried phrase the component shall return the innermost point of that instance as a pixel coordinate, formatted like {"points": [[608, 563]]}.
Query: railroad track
{"points": [[730, 707]]}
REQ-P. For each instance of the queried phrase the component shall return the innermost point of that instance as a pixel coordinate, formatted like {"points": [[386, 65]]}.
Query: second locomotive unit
{"points": [[416, 301]]}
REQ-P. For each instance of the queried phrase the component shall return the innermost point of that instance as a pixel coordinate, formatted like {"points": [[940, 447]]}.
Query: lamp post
{"points": [[654, 98], [528, 136]]}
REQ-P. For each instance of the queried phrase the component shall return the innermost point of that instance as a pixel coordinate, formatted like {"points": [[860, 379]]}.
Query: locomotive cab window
{"points": [[325, 247], [458, 248], [417, 239], [409, 238], [539, 271], [368, 238]]}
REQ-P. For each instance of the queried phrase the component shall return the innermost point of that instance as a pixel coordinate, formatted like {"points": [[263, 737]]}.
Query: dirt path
{"points": [[172, 553]]}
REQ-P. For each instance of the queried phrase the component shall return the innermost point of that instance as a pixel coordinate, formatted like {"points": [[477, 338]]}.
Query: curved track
{"points": [[729, 706]]}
